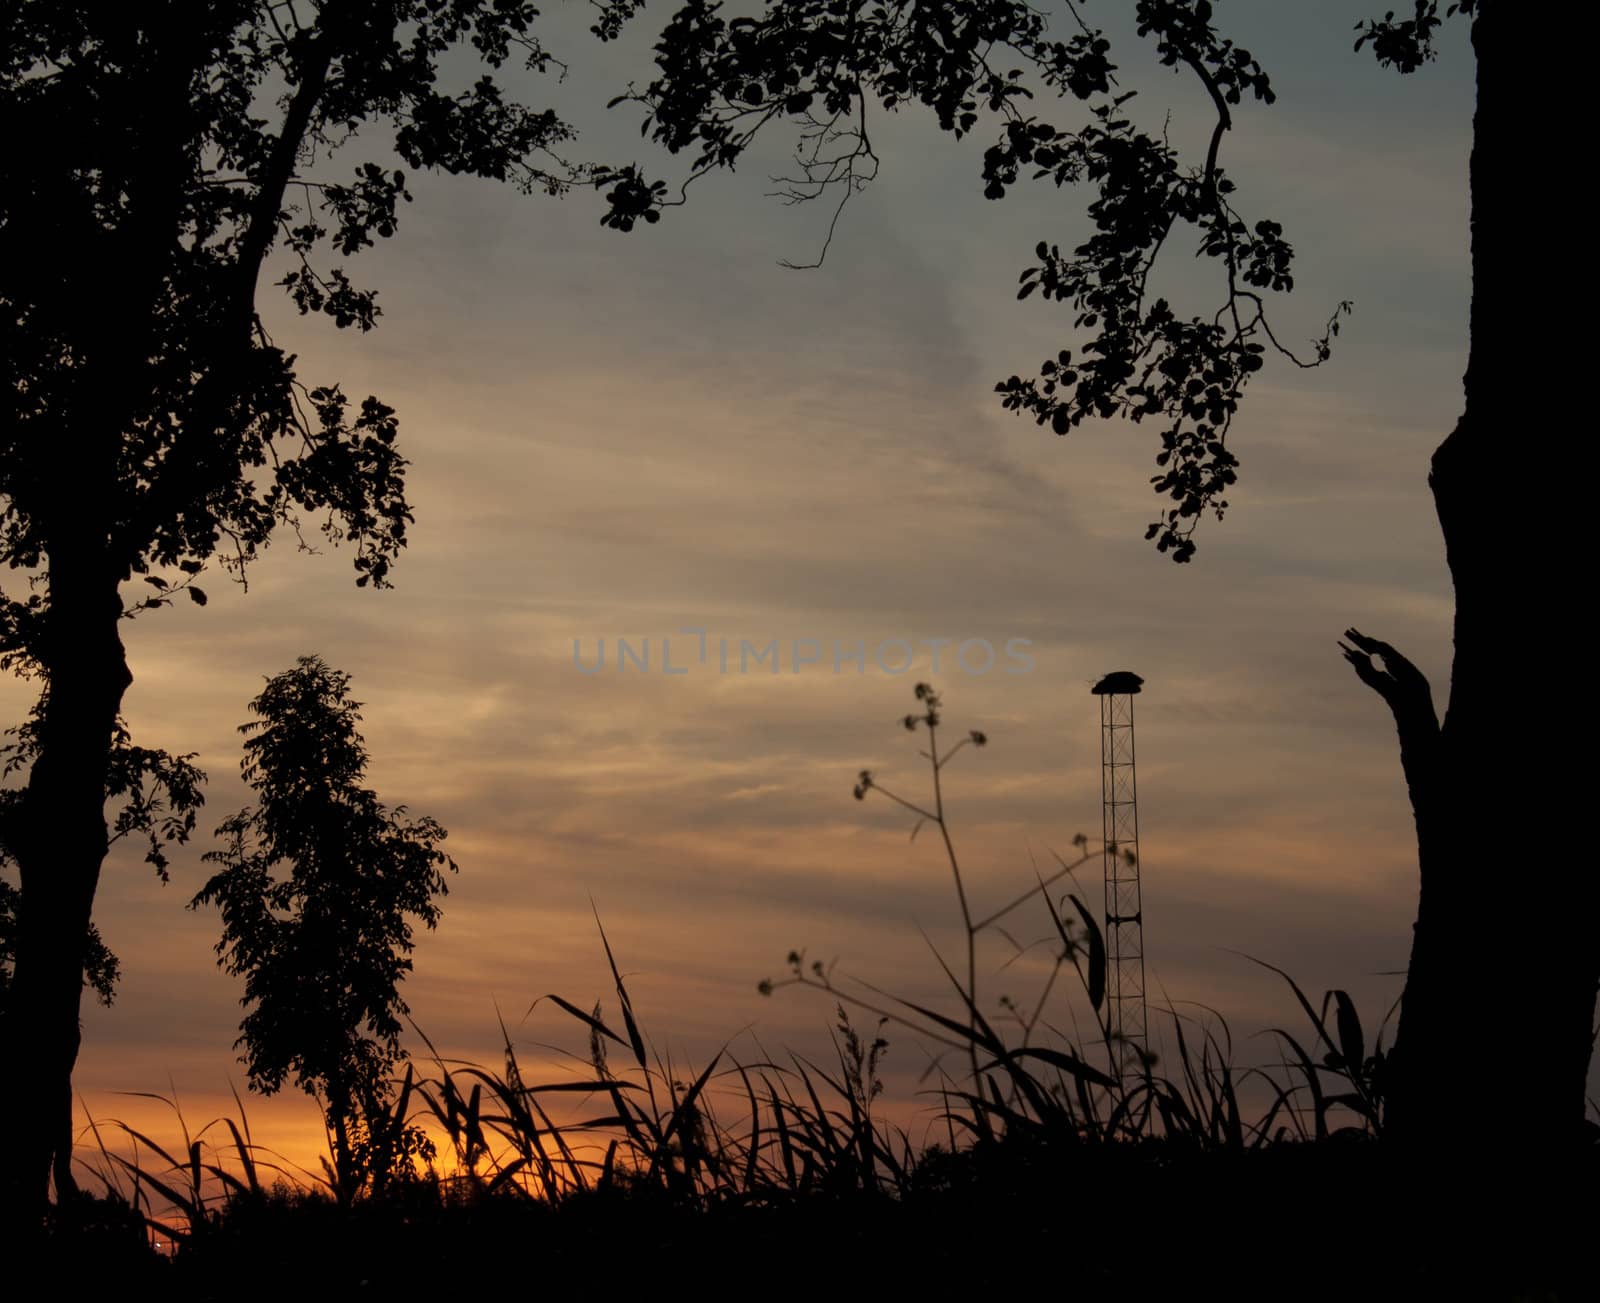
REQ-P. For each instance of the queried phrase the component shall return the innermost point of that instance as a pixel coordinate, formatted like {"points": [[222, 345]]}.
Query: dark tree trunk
{"points": [[60, 843], [1497, 1022]]}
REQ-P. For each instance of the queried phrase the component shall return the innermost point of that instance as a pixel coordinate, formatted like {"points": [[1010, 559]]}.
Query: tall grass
{"points": [[724, 1131]]}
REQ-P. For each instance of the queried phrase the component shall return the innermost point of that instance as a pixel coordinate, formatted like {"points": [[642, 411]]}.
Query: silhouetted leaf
{"points": [[1068, 1063], [1351, 1043], [1097, 953], [588, 1019], [635, 1040]]}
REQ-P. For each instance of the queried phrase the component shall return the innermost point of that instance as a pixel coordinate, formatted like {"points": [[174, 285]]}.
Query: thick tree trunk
{"points": [[60, 844], [1497, 1021]]}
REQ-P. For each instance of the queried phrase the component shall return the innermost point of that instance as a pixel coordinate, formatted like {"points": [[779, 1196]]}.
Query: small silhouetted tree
{"points": [[319, 887]]}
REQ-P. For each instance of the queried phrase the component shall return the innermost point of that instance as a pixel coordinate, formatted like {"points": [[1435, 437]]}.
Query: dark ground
{"points": [[1293, 1221]]}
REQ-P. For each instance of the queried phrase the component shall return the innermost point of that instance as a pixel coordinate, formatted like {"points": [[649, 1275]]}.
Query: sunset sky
{"points": [[634, 435]]}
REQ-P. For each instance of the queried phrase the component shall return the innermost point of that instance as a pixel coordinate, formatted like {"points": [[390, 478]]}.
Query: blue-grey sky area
{"points": [[632, 435]]}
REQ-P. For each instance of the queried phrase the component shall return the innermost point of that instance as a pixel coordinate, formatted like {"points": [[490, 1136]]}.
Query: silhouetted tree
{"points": [[155, 155], [1521, 969], [318, 888]]}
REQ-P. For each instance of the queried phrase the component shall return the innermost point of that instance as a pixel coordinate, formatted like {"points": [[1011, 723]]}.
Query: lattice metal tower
{"points": [[1119, 795]]}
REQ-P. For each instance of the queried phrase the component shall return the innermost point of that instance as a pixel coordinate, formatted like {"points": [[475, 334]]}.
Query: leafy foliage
{"points": [[1408, 44], [159, 155], [318, 888], [826, 64], [155, 795]]}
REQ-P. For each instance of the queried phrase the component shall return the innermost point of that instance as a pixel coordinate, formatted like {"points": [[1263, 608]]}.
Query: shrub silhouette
{"points": [[318, 887]]}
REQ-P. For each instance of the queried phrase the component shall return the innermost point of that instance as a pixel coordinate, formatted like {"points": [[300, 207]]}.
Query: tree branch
{"points": [[272, 184], [1400, 683], [1410, 699]]}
